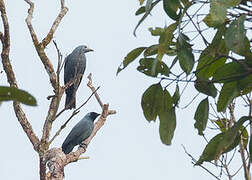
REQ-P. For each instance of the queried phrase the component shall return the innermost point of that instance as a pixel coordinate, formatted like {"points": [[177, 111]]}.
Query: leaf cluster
{"points": [[221, 71]]}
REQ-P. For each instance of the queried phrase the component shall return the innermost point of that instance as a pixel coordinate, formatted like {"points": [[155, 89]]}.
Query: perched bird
{"points": [[80, 132], [75, 65]]}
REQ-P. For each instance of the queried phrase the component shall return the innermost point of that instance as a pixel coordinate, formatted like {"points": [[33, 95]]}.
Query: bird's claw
{"points": [[83, 145]]}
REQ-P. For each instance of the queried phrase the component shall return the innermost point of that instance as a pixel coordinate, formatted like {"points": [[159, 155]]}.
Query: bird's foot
{"points": [[83, 145]]}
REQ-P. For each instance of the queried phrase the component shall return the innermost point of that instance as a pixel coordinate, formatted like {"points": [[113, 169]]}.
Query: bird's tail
{"points": [[70, 101], [67, 148]]}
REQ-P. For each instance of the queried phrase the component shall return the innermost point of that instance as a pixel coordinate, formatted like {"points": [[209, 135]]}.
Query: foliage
{"points": [[219, 65], [11, 93]]}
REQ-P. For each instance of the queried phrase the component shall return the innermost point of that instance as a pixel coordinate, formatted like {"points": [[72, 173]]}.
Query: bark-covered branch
{"points": [[57, 160], [5, 39], [54, 78]]}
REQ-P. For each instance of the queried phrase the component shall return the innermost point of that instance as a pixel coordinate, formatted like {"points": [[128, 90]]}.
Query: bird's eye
{"points": [[85, 46]]}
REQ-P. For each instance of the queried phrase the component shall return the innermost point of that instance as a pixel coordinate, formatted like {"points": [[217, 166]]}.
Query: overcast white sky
{"points": [[127, 147]]}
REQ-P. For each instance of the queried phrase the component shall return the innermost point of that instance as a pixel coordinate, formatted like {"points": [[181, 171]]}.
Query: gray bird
{"points": [[80, 132], [75, 65]]}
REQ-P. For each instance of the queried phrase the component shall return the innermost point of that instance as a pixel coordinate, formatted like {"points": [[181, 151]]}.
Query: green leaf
{"points": [[218, 11], [222, 143], [131, 56], [245, 84], [217, 14], [152, 67], [176, 96], [165, 40], [206, 87], [185, 55], [145, 16], [209, 61], [171, 7], [209, 152], [150, 51], [229, 72], [235, 37], [228, 92], [174, 61], [223, 125], [167, 125], [228, 141], [244, 137], [201, 116], [157, 31], [11, 93], [141, 10], [166, 102], [151, 101], [231, 3]]}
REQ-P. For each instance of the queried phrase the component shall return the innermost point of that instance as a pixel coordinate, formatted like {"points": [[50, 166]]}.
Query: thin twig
{"points": [[194, 162], [90, 85]]}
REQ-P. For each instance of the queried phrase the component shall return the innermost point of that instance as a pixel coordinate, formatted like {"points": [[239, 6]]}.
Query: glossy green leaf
{"points": [[206, 87], [185, 55], [171, 7], [152, 67], [141, 10], [229, 72], [176, 96], [11, 93], [167, 125], [150, 51], [221, 143], [131, 56], [201, 116], [228, 92], [151, 101], [235, 37]]}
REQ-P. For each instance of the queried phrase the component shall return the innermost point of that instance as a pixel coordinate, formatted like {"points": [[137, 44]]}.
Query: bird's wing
{"points": [[68, 69], [79, 132]]}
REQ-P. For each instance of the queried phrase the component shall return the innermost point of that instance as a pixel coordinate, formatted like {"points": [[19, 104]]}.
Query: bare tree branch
{"points": [[55, 25], [5, 39]]}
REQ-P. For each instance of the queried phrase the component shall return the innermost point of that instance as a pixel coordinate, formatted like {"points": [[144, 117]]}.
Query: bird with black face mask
{"points": [[80, 132], [74, 68]]}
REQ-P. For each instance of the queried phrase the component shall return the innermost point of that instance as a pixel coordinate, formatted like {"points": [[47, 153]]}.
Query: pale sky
{"points": [[127, 147]]}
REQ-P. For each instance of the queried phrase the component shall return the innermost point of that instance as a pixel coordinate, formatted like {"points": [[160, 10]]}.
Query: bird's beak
{"points": [[88, 50]]}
